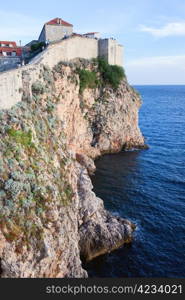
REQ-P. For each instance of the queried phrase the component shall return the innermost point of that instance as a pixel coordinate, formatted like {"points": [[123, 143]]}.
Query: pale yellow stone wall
{"points": [[112, 51], [115, 53], [69, 49], [11, 83]]}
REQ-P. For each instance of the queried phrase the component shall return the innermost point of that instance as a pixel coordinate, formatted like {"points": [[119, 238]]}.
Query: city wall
{"points": [[12, 82]]}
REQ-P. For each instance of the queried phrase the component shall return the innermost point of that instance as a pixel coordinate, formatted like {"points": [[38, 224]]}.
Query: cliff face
{"points": [[49, 215], [100, 121]]}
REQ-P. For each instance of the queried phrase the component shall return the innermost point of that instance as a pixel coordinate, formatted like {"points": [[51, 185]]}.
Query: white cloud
{"points": [[170, 29], [157, 70]]}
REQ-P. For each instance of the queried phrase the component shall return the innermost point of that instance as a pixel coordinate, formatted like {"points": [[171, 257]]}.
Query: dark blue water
{"points": [[148, 187]]}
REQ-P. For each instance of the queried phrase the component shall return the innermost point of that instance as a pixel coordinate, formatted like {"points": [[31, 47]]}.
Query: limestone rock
{"points": [[49, 215]]}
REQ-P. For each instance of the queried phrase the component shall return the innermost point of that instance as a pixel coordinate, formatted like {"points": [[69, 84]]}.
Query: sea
{"points": [[148, 188]]}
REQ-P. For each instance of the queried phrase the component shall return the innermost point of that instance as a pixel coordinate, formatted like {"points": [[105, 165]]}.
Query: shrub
{"points": [[111, 74], [88, 79], [37, 88], [21, 137], [47, 75], [37, 46]]}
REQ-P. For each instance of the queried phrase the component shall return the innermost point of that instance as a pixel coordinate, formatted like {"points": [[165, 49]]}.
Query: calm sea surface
{"points": [[148, 187]]}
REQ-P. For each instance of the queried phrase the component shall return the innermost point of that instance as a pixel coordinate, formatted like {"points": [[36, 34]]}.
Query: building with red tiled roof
{"points": [[55, 30], [8, 48], [10, 55], [58, 21]]}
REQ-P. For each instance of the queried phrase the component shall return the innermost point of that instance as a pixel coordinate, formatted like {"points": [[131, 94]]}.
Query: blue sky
{"points": [[152, 31]]}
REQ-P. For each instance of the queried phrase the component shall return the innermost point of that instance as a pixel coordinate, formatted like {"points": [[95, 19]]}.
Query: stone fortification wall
{"points": [[75, 47], [12, 82], [115, 53], [112, 51]]}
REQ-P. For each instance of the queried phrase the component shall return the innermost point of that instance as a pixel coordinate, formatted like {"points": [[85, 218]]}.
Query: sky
{"points": [[151, 31]]}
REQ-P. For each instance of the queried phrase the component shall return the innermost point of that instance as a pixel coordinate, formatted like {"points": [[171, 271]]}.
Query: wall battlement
{"points": [[12, 82]]}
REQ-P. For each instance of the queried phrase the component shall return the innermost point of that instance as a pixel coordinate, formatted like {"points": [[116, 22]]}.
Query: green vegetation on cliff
{"points": [[88, 79], [103, 75], [34, 160], [19, 136], [111, 74], [33, 164]]}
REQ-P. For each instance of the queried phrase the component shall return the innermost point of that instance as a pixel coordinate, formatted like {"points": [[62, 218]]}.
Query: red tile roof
{"points": [[13, 44], [12, 48], [58, 21]]}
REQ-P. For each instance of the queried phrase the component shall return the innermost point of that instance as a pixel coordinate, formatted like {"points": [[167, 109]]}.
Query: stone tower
{"points": [[55, 30]]}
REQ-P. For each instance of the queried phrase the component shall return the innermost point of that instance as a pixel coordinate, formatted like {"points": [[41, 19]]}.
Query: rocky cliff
{"points": [[49, 216]]}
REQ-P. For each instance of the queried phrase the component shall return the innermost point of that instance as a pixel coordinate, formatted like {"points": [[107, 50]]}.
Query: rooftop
{"points": [[59, 21], [8, 44], [88, 33]]}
